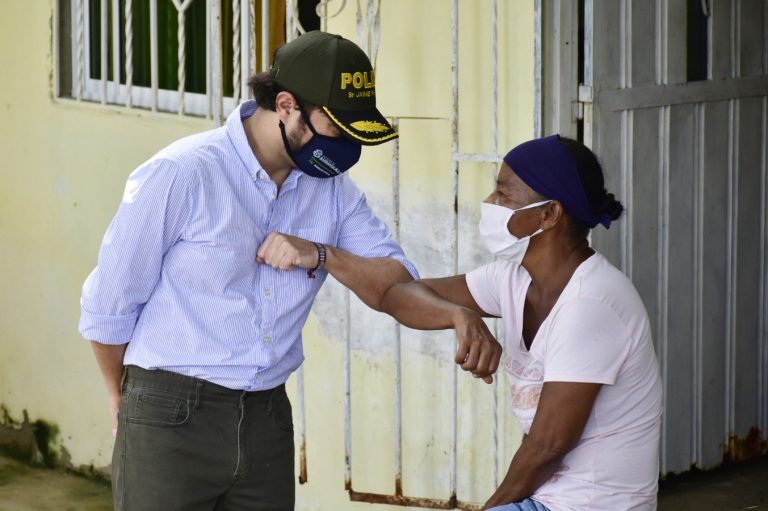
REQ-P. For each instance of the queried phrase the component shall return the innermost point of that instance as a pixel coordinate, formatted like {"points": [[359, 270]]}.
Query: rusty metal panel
{"points": [[643, 224], [606, 43], [690, 167], [676, 42], [720, 47], [612, 242], [679, 292], [751, 36], [747, 266], [712, 254], [763, 328], [642, 29]]}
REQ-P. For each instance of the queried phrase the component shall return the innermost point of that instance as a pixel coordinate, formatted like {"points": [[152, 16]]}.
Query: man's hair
{"points": [[265, 89]]}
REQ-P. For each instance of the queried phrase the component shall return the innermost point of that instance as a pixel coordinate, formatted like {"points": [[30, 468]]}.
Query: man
{"points": [[207, 274]]}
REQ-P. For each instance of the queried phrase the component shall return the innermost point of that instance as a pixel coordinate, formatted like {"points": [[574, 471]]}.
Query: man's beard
{"points": [[295, 135]]}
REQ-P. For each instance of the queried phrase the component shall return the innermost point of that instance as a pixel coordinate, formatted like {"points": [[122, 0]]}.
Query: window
{"points": [[157, 54]]}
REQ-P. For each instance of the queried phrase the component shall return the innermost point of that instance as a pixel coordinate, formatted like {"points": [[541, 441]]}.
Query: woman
{"points": [[578, 351]]}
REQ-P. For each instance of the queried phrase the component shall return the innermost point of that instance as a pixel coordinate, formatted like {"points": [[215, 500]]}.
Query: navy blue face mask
{"points": [[322, 156]]}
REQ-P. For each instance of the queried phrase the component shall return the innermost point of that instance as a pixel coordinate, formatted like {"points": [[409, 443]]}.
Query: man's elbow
{"points": [[386, 295]]}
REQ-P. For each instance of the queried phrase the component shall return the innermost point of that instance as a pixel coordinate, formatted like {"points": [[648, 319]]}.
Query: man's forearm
{"points": [[369, 279], [415, 305], [110, 360]]}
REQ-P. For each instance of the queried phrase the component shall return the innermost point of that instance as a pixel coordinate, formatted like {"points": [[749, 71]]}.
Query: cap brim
{"points": [[367, 127]]}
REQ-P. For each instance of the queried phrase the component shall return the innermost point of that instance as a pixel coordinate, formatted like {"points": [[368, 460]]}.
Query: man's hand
{"points": [[283, 252], [479, 351], [110, 360], [114, 408]]}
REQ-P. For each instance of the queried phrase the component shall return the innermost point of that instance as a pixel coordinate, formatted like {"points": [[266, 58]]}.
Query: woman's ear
{"points": [[553, 213]]}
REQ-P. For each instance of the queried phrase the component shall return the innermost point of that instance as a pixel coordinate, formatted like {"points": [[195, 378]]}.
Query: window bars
{"points": [[109, 75]]}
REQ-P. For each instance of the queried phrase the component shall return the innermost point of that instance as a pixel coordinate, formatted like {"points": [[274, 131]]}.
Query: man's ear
{"points": [[285, 103], [553, 213]]}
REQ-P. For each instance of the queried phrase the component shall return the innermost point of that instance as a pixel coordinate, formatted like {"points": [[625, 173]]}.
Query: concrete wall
{"points": [[64, 165]]}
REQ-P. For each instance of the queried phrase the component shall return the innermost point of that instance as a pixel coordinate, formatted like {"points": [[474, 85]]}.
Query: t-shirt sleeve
{"points": [[588, 343], [484, 285]]}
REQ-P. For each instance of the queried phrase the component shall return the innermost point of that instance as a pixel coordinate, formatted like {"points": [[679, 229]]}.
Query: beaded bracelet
{"points": [[320, 260]]}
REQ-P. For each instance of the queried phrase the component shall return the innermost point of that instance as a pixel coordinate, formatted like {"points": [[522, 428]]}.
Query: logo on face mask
{"points": [[324, 164]]}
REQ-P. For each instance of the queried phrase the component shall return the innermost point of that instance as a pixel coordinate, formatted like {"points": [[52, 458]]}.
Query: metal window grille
{"points": [[101, 57]]}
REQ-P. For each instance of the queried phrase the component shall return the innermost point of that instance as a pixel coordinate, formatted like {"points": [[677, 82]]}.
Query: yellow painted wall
{"points": [[63, 166]]}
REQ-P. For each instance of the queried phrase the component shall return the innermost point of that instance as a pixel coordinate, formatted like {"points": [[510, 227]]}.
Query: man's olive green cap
{"points": [[335, 74]]}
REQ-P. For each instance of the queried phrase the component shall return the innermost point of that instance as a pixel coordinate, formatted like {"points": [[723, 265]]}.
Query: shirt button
{"points": [[266, 339], [262, 176], [267, 292], [274, 197]]}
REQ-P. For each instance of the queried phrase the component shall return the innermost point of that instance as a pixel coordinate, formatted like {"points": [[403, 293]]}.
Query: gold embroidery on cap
{"points": [[358, 80], [338, 123], [369, 126]]}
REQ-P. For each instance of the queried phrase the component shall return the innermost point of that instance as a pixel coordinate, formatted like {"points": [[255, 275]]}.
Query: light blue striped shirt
{"points": [[177, 277]]}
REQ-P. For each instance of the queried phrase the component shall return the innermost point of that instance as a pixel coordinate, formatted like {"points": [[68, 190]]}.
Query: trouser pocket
{"points": [[156, 407]]}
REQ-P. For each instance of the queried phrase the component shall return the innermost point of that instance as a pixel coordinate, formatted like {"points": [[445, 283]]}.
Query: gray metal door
{"points": [[675, 104]]}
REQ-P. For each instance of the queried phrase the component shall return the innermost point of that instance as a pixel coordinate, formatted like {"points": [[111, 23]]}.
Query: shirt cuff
{"points": [[106, 329]]}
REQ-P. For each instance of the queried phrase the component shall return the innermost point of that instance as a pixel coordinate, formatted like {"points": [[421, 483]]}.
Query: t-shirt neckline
{"points": [[520, 311]]}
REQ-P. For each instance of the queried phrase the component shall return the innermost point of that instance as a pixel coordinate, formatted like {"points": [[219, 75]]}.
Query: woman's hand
{"points": [[478, 351]]}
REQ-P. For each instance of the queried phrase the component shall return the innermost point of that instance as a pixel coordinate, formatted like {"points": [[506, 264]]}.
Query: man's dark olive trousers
{"points": [[185, 444]]}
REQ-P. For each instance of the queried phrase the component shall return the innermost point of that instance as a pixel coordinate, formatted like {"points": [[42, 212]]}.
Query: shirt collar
{"points": [[236, 133]]}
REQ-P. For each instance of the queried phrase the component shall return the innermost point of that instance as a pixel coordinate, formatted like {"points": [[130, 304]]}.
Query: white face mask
{"points": [[496, 236]]}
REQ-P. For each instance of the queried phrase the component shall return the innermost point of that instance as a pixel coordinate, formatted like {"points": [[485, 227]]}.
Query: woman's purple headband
{"points": [[549, 169]]}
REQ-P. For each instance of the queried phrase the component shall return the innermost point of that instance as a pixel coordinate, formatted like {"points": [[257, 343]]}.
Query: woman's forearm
{"points": [[532, 466]]}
